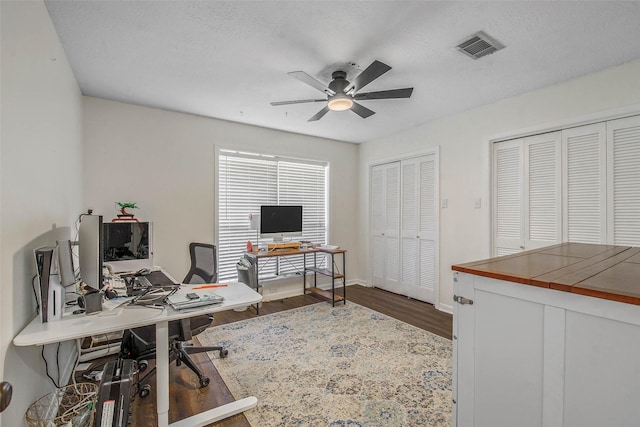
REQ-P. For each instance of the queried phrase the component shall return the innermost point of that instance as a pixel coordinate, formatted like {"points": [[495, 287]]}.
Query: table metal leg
{"points": [[162, 372]]}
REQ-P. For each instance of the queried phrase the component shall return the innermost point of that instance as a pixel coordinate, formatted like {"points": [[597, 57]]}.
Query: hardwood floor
{"points": [[187, 399]]}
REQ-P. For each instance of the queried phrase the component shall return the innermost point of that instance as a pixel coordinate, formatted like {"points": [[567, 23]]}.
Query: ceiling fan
{"points": [[342, 94]]}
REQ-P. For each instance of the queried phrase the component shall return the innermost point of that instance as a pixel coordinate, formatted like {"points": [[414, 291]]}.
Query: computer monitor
{"points": [[127, 245], [90, 250], [280, 221], [66, 269]]}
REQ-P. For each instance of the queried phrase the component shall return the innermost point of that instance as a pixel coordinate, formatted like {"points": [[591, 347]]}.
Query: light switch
{"points": [[444, 203], [477, 203]]}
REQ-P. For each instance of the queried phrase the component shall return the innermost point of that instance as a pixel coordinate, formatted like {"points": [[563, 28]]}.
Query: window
{"points": [[247, 181]]}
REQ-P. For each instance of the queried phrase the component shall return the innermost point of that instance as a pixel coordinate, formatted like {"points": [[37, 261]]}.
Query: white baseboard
{"points": [[291, 292], [69, 353], [445, 307]]}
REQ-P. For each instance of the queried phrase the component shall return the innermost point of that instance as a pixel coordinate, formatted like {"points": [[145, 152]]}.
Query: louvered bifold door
{"points": [[427, 229], [392, 226], [409, 227], [623, 181], [377, 225], [508, 226], [542, 190], [584, 184]]}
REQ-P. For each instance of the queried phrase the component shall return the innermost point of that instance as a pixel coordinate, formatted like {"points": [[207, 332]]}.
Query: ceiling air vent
{"points": [[479, 45]]}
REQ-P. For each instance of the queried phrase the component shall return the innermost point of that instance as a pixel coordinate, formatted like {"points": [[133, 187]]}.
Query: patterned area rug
{"points": [[343, 366]]}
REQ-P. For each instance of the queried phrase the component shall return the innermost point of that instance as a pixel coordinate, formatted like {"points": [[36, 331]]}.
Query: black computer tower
{"points": [[114, 394]]}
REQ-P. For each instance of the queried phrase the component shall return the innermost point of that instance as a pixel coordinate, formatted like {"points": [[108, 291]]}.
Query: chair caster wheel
{"points": [[204, 381], [144, 391], [224, 353], [143, 365]]}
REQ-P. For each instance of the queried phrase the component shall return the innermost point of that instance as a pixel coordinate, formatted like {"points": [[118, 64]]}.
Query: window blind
{"points": [[247, 181]]}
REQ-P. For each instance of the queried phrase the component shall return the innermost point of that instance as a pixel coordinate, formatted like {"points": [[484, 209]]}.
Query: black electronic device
{"points": [[114, 393], [278, 221]]}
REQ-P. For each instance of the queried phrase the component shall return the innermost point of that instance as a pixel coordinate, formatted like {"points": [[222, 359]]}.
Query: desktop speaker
{"points": [[49, 292]]}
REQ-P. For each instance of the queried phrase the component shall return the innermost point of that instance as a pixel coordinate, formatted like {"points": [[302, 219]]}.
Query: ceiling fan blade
{"points": [[385, 94], [306, 78], [361, 110], [319, 114], [372, 72], [300, 101]]}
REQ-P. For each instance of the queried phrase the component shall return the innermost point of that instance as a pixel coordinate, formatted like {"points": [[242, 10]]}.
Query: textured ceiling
{"points": [[230, 59]]}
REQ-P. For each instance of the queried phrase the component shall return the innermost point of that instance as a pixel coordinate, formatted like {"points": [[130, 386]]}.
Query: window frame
{"points": [[278, 268]]}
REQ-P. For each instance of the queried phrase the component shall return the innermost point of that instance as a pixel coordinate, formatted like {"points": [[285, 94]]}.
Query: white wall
{"points": [[40, 172], [464, 156], [164, 161]]}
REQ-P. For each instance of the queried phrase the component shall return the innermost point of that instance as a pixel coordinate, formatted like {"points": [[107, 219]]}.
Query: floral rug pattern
{"points": [[343, 366]]}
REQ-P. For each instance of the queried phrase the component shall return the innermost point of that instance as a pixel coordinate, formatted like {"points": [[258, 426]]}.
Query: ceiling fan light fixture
{"points": [[340, 102]]}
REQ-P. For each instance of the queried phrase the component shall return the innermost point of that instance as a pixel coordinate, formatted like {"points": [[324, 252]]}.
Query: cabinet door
{"points": [[463, 352], [623, 181], [584, 184], [498, 356]]}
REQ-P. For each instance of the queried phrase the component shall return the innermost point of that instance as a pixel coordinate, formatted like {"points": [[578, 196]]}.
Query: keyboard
{"points": [[144, 282], [116, 283]]}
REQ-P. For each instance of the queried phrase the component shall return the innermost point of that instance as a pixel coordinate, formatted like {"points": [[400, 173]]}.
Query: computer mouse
{"points": [[143, 272]]}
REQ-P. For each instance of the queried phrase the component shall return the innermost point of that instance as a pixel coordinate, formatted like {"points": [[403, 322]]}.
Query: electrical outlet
{"points": [[444, 203]]}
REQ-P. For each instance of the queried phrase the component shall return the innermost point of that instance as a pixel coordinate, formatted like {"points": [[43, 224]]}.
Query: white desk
{"points": [[72, 327]]}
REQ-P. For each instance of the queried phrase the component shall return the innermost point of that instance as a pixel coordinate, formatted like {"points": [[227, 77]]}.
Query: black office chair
{"points": [[139, 343]]}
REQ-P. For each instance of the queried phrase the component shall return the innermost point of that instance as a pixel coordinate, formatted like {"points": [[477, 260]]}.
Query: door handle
{"points": [[5, 395], [462, 300]]}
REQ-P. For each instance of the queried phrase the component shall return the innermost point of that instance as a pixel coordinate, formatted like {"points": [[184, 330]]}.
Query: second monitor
{"points": [[127, 246]]}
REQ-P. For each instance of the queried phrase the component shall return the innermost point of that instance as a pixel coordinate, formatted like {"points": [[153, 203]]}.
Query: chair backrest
{"points": [[204, 264]]}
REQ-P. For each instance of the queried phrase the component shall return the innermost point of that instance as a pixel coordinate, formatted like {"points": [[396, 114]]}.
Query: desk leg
{"points": [[162, 372], [162, 390]]}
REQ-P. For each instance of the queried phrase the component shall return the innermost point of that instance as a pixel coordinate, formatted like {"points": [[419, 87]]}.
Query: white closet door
{"points": [[427, 229], [385, 225], [542, 190], [507, 202], [419, 228], [392, 226], [377, 225], [584, 184], [409, 227], [623, 181]]}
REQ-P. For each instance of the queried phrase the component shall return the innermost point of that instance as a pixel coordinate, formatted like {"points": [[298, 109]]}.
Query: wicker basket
{"points": [[72, 405]]}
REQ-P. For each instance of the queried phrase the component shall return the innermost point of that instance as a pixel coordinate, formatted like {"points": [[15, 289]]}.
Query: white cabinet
{"points": [[529, 356], [404, 226]]}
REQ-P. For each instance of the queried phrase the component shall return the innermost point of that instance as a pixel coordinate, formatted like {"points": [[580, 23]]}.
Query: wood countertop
{"points": [[601, 271]]}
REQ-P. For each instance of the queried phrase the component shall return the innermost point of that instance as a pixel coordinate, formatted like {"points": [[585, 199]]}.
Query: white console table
{"points": [[549, 337]]}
